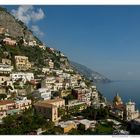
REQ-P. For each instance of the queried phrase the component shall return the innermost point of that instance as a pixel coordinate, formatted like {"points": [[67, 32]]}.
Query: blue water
{"points": [[126, 89]]}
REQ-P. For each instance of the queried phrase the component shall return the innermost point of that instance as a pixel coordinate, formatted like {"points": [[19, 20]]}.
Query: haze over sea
{"points": [[126, 89]]}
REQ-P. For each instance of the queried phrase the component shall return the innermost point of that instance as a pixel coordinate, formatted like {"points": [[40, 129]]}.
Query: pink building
{"points": [[9, 41]]}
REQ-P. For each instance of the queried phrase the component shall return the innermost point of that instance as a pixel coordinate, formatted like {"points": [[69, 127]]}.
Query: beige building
{"points": [[42, 47], [131, 112], [49, 108], [2, 90], [9, 107], [67, 126], [2, 30], [6, 105], [22, 63], [51, 64], [4, 78], [6, 61]]}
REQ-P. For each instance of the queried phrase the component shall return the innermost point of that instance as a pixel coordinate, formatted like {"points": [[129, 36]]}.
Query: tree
{"points": [[61, 111], [81, 128], [3, 96], [74, 132]]}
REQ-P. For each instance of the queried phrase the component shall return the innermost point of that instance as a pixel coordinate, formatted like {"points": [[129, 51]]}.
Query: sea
{"points": [[126, 89]]}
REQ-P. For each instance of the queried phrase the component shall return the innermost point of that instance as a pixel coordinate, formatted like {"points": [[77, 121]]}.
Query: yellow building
{"points": [[22, 63], [49, 108], [67, 126]]}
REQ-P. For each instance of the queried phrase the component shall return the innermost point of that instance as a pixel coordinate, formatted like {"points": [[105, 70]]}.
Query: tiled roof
{"points": [[4, 102], [40, 104]]}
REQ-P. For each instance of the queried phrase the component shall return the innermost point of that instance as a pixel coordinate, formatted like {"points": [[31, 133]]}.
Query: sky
{"points": [[103, 38]]}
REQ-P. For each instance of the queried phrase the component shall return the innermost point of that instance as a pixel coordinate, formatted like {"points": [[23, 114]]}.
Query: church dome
{"points": [[117, 100]]}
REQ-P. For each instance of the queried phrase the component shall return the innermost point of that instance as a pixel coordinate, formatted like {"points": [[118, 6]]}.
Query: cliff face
{"points": [[15, 27]]}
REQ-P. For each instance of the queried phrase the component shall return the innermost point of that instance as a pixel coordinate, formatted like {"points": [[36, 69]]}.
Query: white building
{"points": [[80, 104], [21, 75], [82, 84], [66, 75], [44, 70], [58, 86], [32, 43], [58, 72], [73, 81], [42, 93], [67, 85], [131, 112], [23, 103], [5, 69], [42, 47], [48, 82], [51, 64], [87, 123]]}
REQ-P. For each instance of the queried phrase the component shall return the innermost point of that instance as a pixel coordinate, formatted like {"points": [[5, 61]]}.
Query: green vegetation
{"points": [[104, 129], [24, 123], [3, 96], [81, 131], [37, 56], [69, 98], [96, 114]]}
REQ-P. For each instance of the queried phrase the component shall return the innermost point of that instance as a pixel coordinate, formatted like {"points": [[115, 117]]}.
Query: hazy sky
{"points": [[104, 38]]}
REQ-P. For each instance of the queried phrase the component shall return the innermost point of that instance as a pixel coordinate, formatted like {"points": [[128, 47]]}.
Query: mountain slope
{"points": [[90, 74], [15, 27], [17, 30], [39, 57]]}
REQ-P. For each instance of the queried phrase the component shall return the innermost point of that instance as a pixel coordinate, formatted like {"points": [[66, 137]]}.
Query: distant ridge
{"points": [[90, 74]]}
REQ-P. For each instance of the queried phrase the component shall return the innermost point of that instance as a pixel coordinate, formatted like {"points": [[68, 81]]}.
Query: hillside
{"points": [[18, 31], [26, 44], [90, 74], [15, 27]]}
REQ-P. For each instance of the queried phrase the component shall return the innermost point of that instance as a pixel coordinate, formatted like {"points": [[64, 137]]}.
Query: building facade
{"points": [[22, 75], [131, 112], [5, 69], [10, 107], [42, 93], [22, 63], [9, 41], [49, 108]]}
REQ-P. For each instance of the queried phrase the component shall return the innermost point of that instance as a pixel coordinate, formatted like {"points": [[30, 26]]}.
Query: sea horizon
{"points": [[127, 89]]}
